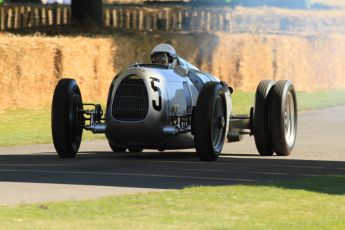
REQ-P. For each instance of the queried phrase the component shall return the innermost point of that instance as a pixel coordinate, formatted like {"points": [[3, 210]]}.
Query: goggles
{"points": [[160, 58]]}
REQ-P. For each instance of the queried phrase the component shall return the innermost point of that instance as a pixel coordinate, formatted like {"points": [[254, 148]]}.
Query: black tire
{"points": [[210, 121], [117, 149], [261, 121], [135, 150], [66, 121], [284, 118]]}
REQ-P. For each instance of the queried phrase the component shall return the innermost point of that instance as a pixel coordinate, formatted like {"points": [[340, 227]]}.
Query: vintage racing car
{"points": [[154, 106]]}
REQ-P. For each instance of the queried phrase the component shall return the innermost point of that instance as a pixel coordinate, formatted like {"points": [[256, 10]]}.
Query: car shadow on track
{"points": [[168, 170]]}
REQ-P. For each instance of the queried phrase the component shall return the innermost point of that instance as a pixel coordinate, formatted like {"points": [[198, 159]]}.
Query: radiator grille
{"points": [[131, 100]]}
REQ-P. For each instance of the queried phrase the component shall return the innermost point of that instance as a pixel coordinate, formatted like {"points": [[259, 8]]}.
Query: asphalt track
{"points": [[34, 173]]}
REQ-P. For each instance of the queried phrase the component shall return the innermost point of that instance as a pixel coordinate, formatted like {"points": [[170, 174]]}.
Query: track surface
{"points": [[34, 173]]}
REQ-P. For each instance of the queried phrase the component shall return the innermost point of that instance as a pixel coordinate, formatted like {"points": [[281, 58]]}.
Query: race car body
{"points": [[150, 106], [153, 106]]}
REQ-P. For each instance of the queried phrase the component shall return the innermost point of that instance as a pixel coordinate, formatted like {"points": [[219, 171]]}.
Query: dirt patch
{"points": [[31, 66]]}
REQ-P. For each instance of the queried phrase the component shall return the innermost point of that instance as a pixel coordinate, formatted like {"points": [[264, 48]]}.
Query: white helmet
{"points": [[164, 48], [160, 50]]}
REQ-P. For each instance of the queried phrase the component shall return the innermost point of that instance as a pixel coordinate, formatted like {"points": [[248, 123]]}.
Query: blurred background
{"points": [[239, 41]]}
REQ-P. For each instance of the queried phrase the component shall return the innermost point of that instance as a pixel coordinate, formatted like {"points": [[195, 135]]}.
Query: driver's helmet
{"points": [[163, 54]]}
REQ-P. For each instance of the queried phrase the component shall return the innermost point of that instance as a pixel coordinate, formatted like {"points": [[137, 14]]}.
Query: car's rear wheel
{"points": [[66, 118], [117, 149], [210, 122], [283, 118], [261, 121]]}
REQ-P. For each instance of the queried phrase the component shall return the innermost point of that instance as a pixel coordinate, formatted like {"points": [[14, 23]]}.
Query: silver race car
{"points": [[170, 104]]}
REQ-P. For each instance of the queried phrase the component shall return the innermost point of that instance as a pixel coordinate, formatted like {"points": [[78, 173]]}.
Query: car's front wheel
{"points": [[210, 122], [66, 118]]}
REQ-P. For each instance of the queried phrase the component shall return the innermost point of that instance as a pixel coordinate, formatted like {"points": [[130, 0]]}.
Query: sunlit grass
{"points": [[316, 203], [320, 99], [32, 126], [242, 101], [29, 126]]}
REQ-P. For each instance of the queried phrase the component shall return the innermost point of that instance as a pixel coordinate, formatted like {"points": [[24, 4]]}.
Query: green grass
{"points": [[320, 99], [316, 203], [29, 126], [32, 126], [306, 101]]}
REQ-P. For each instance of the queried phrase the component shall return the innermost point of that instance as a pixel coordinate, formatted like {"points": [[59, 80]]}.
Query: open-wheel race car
{"points": [[174, 106]]}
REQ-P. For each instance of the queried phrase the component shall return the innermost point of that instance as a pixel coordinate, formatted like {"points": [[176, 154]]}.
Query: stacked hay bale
{"points": [[30, 66]]}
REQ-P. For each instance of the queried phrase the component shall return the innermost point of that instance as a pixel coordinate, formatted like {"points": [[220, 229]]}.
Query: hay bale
{"points": [[31, 66]]}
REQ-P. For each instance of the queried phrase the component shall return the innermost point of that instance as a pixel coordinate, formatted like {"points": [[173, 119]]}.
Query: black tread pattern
{"points": [[135, 150], [277, 117], [203, 121], [261, 125], [65, 91], [117, 149]]}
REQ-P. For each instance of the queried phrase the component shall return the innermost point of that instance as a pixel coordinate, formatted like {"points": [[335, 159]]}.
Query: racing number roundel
{"points": [[155, 105]]}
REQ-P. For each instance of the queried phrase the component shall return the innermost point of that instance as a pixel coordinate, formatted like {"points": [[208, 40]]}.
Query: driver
{"points": [[164, 54]]}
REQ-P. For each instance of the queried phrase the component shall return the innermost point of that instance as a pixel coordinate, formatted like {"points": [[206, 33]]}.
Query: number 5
{"points": [[156, 89]]}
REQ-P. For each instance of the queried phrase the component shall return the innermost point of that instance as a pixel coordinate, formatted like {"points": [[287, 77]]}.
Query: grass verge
{"points": [[315, 203], [306, 101], [32, 126], [29, 126]]}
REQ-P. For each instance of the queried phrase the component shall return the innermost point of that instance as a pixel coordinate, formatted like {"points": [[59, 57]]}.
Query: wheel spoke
{"points": [[216, 129]]}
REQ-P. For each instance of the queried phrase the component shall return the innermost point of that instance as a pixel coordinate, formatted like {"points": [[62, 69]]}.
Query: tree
{"points": [[87, 11]]}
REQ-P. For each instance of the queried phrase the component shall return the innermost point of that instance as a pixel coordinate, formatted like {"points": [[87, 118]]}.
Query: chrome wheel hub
{"points": [[290, 119]]}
